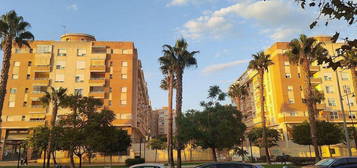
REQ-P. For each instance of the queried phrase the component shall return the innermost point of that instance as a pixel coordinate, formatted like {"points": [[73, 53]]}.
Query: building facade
{"points": [[163, 121], [106, 70], [284, 94]]}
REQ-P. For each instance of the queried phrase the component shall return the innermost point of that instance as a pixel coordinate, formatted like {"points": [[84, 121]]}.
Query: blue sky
{"points": [[226, 32]]}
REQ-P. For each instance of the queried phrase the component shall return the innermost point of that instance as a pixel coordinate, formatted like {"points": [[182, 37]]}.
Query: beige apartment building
{"points": [[107, 70], [284, 96]]}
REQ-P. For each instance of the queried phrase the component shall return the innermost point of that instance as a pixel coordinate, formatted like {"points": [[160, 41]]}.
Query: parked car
{"points": [[341, 162], [148, 165], [228, 165]]}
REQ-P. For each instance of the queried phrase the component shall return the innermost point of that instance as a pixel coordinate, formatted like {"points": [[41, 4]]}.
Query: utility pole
{"points": [[343, 116]]}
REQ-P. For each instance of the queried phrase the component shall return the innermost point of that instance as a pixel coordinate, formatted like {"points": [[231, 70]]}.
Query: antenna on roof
{"points": [[64, 29]]}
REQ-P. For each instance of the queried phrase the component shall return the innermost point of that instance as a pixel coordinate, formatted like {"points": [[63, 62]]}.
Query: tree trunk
{"points": [[310, 151], [179, 86], [71, 159], [170, 131], [155, 155], [50, 138], [44, 158], [242, 149], [111, 160], [262, 111], [54, 157], [310, 107], [214, 155], [5, 70], [251, 151], [329, 151], [80, 160]]}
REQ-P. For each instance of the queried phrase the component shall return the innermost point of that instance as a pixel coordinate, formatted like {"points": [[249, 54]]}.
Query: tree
{"points": [[304, 51], [216, 127], [168, 71], [13, 30], [260, 63], [328, 134], [157, 144], [180, 58], [39, 140], [55, 99], [236, 91], [256, 137]]}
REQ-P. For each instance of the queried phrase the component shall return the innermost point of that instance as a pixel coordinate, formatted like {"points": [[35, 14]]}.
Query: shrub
{"points": [[302, 160], [136, 160]]}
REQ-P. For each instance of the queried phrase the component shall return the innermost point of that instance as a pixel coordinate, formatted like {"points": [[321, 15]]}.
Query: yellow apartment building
{"points": [[106, 70], [284, 95]]}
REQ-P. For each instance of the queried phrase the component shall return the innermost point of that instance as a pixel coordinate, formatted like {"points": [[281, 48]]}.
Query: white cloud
{"points": [[281, 17], [185, 2], [73, 7], [219, 67]]}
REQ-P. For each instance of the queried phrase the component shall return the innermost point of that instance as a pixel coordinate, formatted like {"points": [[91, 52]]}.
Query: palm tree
{"points": [[304, 51], [180, 58], [168, 71], [260, 63], [13, 29], [238, 92], [54, 98]]}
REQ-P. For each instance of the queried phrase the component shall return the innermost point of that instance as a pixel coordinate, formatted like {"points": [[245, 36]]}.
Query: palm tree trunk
{"points": [[5, 71], [262, 111], [170, 131], [54, 157], [155, 155], [310, 107], [44, 158], [50, 138], [179, 87]]}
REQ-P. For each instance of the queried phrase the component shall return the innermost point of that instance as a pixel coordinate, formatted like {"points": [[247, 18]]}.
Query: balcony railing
{"points": [[43, 78], [98, 68], [314, 68], [316, 81]]}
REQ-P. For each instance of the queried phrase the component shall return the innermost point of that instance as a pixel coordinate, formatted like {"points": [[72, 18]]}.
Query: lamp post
{"points": [[348, 144], [348, 92]]}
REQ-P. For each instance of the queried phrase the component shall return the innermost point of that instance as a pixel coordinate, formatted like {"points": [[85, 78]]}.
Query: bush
{"points": [[136, 160], [302, 160]]}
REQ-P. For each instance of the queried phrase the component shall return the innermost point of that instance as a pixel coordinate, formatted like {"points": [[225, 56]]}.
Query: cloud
{"points": [[185, 2], [73, 7], [283, 18], [219, 67]]}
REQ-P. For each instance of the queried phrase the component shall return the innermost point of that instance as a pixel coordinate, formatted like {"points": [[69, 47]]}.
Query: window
{"points": [[109, 102], [124, 89], [124, 64], [78, 91], [17, 50], [287, 75], [12, 104], [290, 88], [328, 76], [124, 76], [39, 89], [28, 76], [59, 78], [291, 101], [352, 116], [12, 90], [123, 102], [15, 76], [293, 113], [286, 63], [62, 52], [128, 51], [81, 52], [24, 104], [111, 76], [96, 89], [44, 49], [99, 49], [81, 64], [26, 90], [29, 63], [351, 102], [344, 76], [331, 102], [333, 115], [346, 89], [329, 89], [299, 75], [60, 65], [79, 78]]}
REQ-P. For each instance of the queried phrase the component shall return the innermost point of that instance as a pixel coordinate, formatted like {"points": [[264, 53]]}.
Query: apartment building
{"points": [[163, 121], [284, 94], [106, 70]]}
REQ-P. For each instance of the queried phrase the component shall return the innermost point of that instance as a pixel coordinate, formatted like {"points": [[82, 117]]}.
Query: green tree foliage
{"points": [[216, 127], [13, 30], [158, 143], [256, 137], [328, 133]]}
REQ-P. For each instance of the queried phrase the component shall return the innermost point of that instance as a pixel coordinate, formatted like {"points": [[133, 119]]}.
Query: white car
{"points": [[148, 165]]}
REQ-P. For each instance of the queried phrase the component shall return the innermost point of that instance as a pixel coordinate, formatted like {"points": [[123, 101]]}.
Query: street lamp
{"points": [[348, 92]]}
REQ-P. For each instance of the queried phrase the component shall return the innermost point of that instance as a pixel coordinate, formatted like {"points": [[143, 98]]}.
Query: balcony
{"points": [[41, 68], [314, 69], [320, 106], [97, 95], [97, 81], [97, 77], [42, 76], [97, 68], [316, 81]]}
